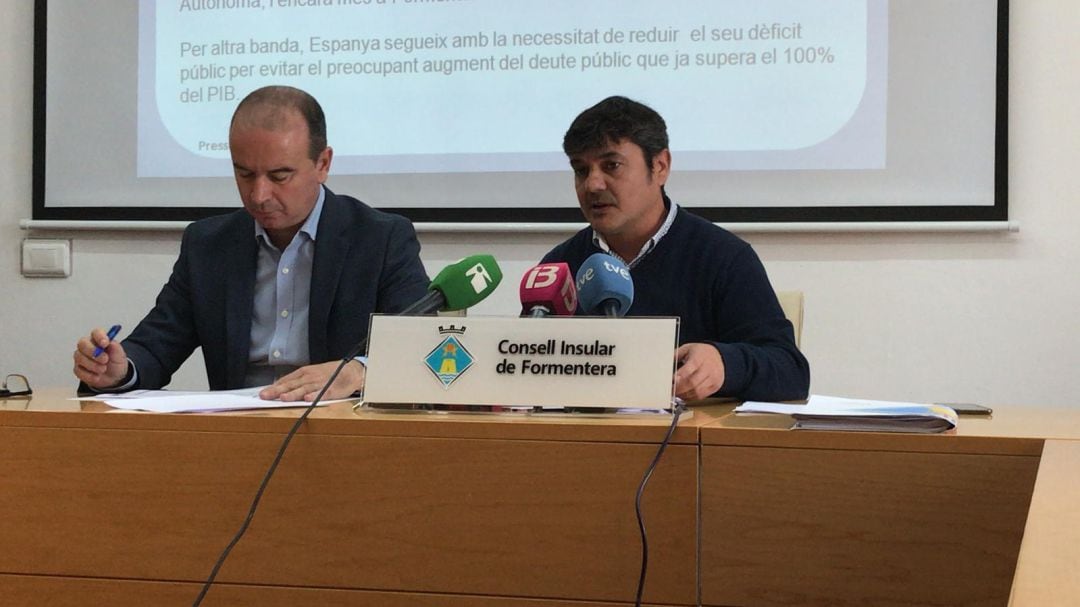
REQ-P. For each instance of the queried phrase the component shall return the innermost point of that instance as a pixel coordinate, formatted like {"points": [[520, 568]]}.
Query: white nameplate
{"points": [[552, 362]]}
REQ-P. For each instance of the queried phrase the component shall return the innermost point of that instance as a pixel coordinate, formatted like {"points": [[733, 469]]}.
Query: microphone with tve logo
{"points": [[548, 290], [459, 285], [604, 286]]}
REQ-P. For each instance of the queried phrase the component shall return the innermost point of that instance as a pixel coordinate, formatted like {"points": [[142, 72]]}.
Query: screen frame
{"points": [[998, 211]]}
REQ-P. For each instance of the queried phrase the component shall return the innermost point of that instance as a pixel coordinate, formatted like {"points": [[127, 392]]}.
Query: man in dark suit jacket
{"points": [[299, 266]]}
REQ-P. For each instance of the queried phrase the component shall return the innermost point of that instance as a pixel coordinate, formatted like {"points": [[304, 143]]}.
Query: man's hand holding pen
{"points": [[100, 360]]}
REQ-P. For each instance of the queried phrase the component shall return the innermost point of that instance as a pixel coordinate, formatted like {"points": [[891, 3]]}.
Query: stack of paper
{"points": [[172, 401], [833, 413]]}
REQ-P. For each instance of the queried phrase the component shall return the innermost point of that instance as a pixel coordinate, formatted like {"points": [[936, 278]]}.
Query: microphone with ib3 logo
{"points": [[548, 290]]}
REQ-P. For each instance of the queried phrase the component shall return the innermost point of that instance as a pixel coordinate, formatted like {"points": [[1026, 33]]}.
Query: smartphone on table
{"points": [[968, 408]]}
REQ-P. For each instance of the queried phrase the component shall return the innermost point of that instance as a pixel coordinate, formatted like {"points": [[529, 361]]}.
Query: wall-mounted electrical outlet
{"points": [[42, 257]]}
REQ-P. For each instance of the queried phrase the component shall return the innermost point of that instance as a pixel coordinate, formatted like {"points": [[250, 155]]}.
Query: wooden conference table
{"points": [[420, 509]]}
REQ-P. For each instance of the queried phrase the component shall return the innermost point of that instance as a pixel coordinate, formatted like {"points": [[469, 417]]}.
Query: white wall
{"points": [[993, 318]]}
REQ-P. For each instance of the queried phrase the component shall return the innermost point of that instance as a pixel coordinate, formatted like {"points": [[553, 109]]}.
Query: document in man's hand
{"points": [[840, 414]]}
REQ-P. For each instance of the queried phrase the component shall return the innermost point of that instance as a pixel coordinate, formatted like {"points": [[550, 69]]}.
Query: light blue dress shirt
{"points": [[279, 315]]}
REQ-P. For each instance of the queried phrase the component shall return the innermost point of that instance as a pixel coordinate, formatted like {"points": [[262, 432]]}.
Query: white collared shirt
{"points": [[649, 245]]}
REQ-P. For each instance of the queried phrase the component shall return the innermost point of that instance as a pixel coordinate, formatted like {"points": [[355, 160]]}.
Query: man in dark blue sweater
{"points": [[735, 340]]}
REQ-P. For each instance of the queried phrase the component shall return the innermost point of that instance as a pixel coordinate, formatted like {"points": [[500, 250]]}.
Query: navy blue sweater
{"points": [[717, 285]]}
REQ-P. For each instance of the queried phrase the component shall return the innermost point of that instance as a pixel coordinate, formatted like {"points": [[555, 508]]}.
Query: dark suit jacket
{"points": [[365, 261]]}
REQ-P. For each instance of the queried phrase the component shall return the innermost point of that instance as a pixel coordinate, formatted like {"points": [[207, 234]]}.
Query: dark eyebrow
{"points": [[242, 168], [608, 155]]}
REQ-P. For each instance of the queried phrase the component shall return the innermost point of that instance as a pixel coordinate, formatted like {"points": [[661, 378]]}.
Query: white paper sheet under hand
{"points": [[165, 401]]}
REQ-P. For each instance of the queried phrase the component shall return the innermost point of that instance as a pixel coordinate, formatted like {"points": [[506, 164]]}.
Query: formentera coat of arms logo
{"points": [[449, 359]]}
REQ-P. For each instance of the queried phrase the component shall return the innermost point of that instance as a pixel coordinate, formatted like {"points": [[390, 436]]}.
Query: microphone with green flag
{"points": [[459, 285]]}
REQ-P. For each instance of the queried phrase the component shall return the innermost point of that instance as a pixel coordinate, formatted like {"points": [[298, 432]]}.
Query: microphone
{"points": [[604, 286], [548, 290], [459, 285]]}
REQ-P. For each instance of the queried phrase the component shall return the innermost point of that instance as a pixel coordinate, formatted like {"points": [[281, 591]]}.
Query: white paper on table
{"points": [[169, 401], [751, 406], [818, 402], [835, 413], [824, 404]]}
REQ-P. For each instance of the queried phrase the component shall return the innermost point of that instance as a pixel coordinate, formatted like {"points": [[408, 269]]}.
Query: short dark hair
{"points": [[614, 119], [274, 100]]}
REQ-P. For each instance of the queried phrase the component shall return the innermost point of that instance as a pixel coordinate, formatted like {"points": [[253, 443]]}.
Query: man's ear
{"points": [[322, 163], [661, 166]]}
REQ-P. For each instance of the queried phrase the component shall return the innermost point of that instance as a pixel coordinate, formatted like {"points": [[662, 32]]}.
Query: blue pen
{"points": [[111, 334]]}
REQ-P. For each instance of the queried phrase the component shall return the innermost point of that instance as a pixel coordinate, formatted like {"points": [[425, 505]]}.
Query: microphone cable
{"points": [[434, 299], [678, 409], [270, 473]]}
